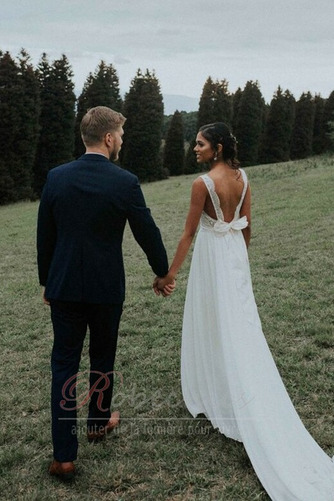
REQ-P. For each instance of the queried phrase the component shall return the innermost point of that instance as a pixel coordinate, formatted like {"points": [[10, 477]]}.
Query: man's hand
{"points": [[164, 286], [45, 301]]}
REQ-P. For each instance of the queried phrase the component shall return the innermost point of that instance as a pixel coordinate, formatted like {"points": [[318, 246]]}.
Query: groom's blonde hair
{"points": [[97, 122]]}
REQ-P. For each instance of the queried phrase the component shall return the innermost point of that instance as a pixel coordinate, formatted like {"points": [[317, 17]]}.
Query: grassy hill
{"points": [[160, 452]]}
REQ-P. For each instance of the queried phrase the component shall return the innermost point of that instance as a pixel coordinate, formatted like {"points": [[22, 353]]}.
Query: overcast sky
{"points": [[277, 42]]}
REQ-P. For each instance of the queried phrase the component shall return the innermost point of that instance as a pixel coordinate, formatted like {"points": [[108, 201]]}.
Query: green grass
{"points": [[159, 452]]}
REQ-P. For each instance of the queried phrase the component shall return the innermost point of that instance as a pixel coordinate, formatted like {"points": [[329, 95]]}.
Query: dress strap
{"points": [[215, 199], [245, 180], [213, 195]]}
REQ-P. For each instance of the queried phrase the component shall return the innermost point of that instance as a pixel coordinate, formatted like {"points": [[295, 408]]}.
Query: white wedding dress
{"points": [[228, 372]]}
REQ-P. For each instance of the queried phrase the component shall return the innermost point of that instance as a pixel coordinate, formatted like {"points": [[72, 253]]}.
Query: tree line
{"points": [[40, 119]]}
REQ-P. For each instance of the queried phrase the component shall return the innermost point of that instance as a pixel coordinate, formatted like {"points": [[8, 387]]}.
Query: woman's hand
{"points": [[164, 286]]}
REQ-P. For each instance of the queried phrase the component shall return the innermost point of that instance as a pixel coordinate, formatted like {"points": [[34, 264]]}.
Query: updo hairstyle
{"points": [[219, 133]]}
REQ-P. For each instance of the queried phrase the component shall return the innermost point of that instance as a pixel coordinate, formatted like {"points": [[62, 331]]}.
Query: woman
{"points": [[227, 370]]}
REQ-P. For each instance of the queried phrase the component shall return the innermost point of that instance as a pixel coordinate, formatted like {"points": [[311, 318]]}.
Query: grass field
{"points": [[160, 452]]}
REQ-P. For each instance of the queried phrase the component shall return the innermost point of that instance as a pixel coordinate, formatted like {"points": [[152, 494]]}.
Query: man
{"points": [[83, 210]]}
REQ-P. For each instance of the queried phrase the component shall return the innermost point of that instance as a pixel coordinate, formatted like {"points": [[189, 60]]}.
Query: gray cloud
{"points": [[286, 42]]}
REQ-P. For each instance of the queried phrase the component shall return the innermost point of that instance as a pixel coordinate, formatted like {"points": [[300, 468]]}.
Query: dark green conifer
{"points": [[11, 91], [302, 136], [215, 105], [100, 89], [7, 189], [319, 144], [328, 119], [278, 128], [56, 141], [26, 147], [173, 158], [143, 109], [250, 123], [207, 104], [18, 126], [189, 125], [236, 97], [224, 102], [189, 120]]}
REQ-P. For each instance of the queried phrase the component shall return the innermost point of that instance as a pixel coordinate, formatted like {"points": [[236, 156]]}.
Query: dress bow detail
{"points": [[235, 224]]}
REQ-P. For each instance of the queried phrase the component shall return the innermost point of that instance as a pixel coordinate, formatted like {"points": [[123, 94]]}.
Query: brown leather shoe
{"points": [[98, 435], [65, 471]]}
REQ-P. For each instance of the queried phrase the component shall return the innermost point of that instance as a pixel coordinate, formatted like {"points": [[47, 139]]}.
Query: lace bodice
{"points": [[219, 225]]}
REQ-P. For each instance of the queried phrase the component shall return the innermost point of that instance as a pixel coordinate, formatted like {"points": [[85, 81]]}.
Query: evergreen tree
{"points": [[236, 98], [190, 132], [17, 126], [143, 109], [10, 100], [331, 132], [328, 118], [26, 147], [250, 122], [290, 117], [173, 159], [83, 105], [189, 120], [207, 104], [215, 105], [7, 191], [302, 136], [189, 124], [224, 100], [319, 144], [41, 165], [100, 89], [56, 142], [205, 115], [278, 128], [190, 163]]}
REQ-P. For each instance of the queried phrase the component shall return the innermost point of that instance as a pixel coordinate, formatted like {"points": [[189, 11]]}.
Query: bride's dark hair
{"points": [[219, 133]]}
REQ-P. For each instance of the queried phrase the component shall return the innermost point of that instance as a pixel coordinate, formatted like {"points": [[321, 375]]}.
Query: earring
{"points": [[215, 157]]}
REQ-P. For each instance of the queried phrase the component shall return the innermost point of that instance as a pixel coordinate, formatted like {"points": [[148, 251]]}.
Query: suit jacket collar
{"points": [[95, 157]]}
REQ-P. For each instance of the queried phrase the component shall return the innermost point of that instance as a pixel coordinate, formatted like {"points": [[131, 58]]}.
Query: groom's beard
{"points": [[114, 156]]}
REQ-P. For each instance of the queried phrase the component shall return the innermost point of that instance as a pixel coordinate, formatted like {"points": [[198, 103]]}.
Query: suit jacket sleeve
{"points": [[146, 232], [46, 236]]}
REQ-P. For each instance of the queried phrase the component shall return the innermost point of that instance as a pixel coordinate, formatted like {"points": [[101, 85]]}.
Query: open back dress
{"points": [[227, 370]]}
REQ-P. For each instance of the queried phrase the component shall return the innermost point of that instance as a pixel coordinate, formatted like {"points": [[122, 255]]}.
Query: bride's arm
{"points": [[197, 201], [246, 211]]}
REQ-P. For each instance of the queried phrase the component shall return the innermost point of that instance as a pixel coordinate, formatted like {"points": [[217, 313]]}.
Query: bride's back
{"points": [[228, 186]]}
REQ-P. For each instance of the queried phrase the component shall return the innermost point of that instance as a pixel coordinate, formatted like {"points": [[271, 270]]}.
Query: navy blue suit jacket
{"points": [[83, 211]]}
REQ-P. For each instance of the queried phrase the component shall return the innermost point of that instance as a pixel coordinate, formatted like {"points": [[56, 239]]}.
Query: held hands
{"points": [[45, 300], [164, 286]]}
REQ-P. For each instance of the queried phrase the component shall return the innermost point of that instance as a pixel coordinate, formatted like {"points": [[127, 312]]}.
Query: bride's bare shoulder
{"points": [[198, 189], [198, 182]]}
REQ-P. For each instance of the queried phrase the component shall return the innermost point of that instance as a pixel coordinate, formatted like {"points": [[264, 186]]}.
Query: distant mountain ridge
{"points": [[173, 102]]}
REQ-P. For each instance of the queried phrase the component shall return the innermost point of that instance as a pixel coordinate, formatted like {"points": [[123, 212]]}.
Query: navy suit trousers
{"points": [[70, 322]]}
